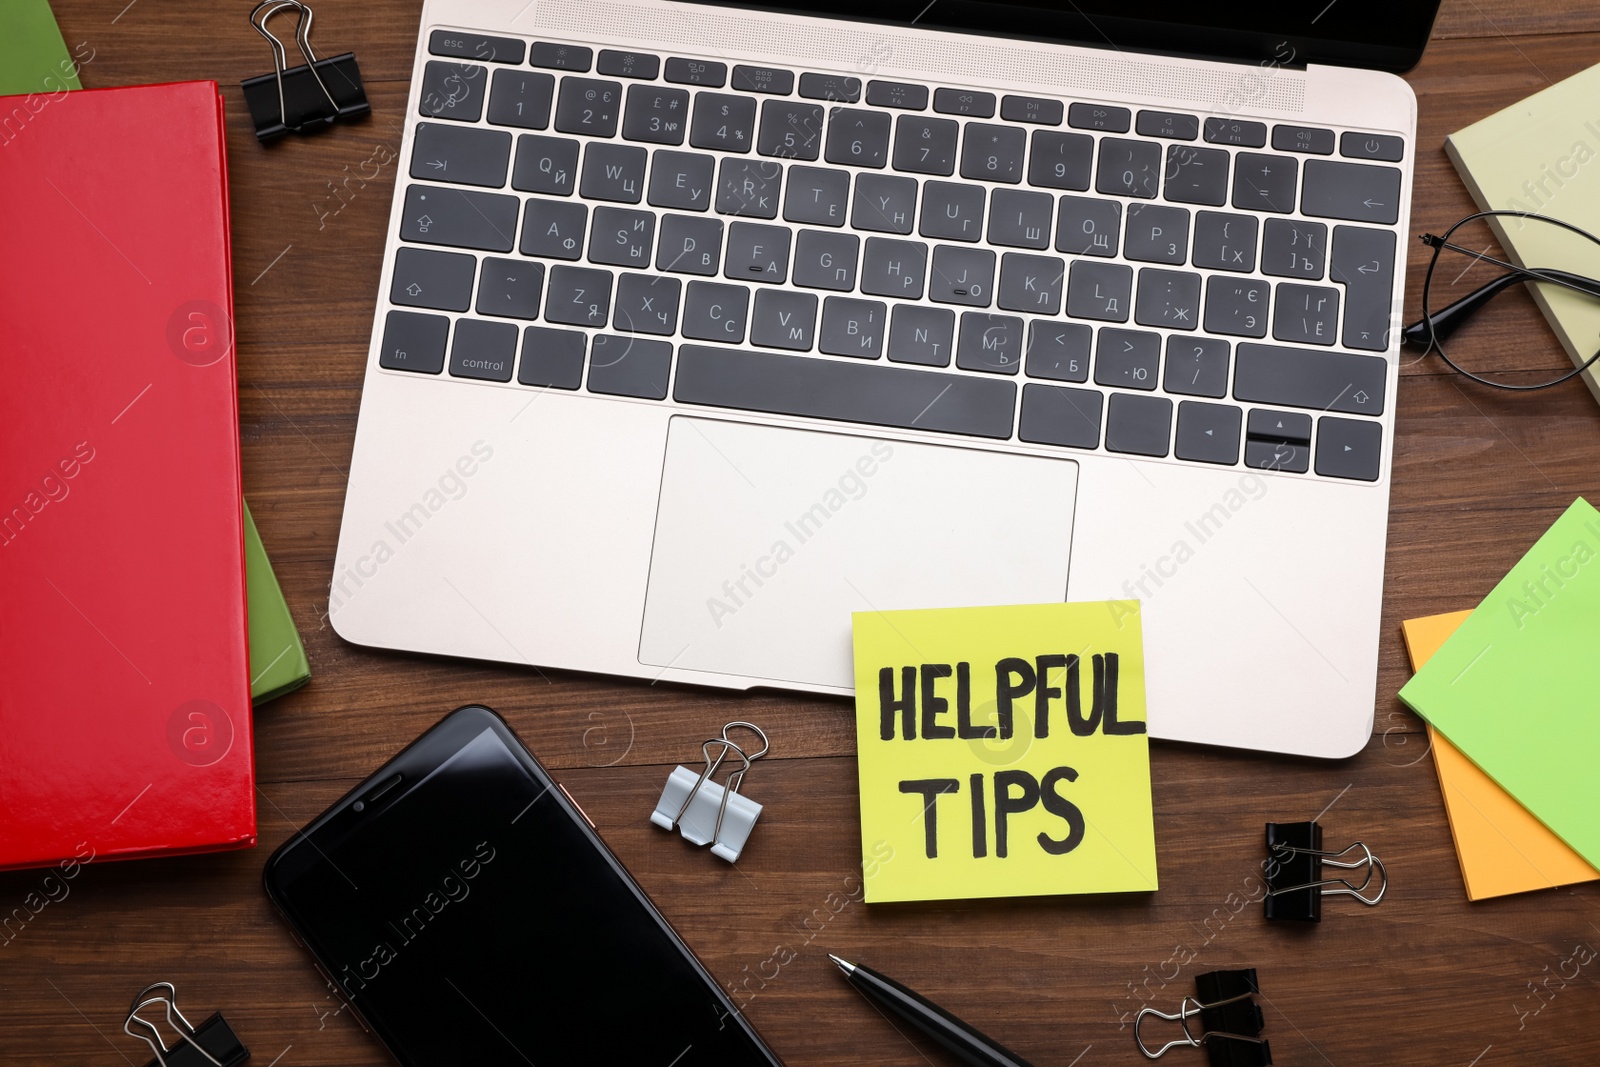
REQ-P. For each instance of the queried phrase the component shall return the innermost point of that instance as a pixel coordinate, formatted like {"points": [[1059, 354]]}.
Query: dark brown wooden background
{"points": [[1425, 978]]}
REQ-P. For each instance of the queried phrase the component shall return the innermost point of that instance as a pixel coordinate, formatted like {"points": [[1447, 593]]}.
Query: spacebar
{"points": [[850, 392]]}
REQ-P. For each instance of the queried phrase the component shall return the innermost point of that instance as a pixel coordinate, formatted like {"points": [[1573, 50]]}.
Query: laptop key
{"points": [[425, 279], [553, 229], [1128, 359], [925, 145], [964, 102], [461, 154], [1032, 283], [752, 79], [616, 63], [413, 342], [1292, 457], [817, 196], [613, 172], [1060, 160], [1196, 175], [716, 312], [1099, 117], [689, 245], [453, 90], [655, 114], [1088, 226], [1355, 191], [1363, 260], [629, 366], [1167, 124], [1278, 440], [622, 237], [1225, 242], [826, 260], [1237, 306], [962, 275], [588, 105], [1380, 146], [894, 268], [1099, 290], [560, 56], [551, 359], [1349, 448], [885, 203], [1019, 218], [483, 350], [784, 319], [545, 165], [1196, 366], [1264, 183], [578, 296], [989, 343], [858, 137], [1032, 109], [510, 288], [1058, 350], [1306, 314], [749, 187], [757, 253], [475, 46], [1138, 425], [845, 390], [952, 211], [897, 94], [790, 130], [1293, 248], [681, 180], [1309, 139], [921, 335], [1054, 415], [853, 327], [723, 122], [837, 88], [1157, 234], [1207, 433], [1236, 132], [459, 218], [993, 153], [1128, 168], [521, 98], [1310, 378], [1268, 425], [646, 303], [1168, 298], [682, 71]]}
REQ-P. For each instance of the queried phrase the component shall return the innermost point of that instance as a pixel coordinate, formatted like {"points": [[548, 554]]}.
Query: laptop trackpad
{"points": [[768, 538]]}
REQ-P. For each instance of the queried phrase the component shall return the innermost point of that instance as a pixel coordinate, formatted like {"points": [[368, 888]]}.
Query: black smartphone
{"points": [[466, 908]]}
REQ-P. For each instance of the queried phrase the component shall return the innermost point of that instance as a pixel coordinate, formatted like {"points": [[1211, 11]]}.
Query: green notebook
{"points": [[1515, 686], [278, 662], [33, 57]]}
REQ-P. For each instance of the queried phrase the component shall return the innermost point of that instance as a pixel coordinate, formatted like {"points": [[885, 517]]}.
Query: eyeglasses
{"points": [[1476, 242]]}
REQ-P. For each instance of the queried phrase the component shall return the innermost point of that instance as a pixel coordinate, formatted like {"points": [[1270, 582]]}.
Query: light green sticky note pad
{"points": [[1002, 751], [1515, 687], [33, 57]]}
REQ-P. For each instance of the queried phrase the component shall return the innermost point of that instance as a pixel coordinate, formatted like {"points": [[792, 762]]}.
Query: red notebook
{"points": [[124, 679]]}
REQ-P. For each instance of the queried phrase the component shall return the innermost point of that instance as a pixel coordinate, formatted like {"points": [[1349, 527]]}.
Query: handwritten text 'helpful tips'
{"points": [[1003, 750]]}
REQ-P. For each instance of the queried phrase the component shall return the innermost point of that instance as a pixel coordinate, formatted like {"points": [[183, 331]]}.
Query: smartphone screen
{"points": [[471, 919]]}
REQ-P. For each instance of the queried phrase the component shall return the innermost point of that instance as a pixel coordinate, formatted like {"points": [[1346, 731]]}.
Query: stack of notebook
{"points": [[1508, 691]]}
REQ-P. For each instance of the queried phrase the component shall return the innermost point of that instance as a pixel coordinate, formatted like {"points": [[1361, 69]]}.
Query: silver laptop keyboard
{"points": [[1069, 274]]}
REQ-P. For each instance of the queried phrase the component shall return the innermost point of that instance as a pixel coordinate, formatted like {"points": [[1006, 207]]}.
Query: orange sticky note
{"points": [[1502, 848]]}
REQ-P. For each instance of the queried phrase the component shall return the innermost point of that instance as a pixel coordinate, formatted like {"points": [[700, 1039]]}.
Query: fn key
{"points": [[413, 342]]}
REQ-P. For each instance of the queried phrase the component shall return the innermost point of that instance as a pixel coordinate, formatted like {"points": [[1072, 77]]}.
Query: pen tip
{"points": [[844, 965]]}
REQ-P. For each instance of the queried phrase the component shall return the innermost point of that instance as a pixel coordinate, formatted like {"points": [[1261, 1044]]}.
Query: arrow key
{"points": [[1349, 448], [424, 279], [1279, 425], [1208, 433]]}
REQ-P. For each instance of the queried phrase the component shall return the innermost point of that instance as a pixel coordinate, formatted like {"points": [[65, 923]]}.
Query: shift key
{"points": [[1310, 378], [459, 218]]}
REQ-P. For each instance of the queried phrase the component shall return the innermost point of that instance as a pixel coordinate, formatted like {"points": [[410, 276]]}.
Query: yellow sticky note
{"points": [[1503, 849], [1003, 751]]}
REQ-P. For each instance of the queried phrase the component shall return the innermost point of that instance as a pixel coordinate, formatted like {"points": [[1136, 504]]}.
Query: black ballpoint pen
{"points": [[967, 1044]]}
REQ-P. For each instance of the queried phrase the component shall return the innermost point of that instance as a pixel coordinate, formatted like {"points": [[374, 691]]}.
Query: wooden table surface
{"points": [[1425, 978]]}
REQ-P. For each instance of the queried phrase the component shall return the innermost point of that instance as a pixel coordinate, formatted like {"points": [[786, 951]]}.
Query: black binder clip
{"points": [[212, 1044], [1230, 1021], [307, 98], [1295, 886]]}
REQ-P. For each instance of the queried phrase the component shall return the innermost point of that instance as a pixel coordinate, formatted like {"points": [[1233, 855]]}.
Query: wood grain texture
{"points": [[1423, 979]]}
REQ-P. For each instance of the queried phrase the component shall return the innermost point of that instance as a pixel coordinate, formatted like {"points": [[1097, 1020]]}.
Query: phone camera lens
{"points": [[359, 806]]}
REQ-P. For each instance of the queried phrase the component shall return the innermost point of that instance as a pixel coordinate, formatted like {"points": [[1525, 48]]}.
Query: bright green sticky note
{"points": [[1002, 752], [33, 57], [1515, 687], [277, 658]]}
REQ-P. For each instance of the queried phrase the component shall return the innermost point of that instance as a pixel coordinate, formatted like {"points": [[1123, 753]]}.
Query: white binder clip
{"points": [[708, 813]]}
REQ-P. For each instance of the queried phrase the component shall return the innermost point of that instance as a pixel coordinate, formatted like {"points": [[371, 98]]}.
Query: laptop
{"points": [[702, 326]]}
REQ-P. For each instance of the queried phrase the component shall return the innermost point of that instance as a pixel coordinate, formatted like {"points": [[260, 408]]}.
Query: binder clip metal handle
{"points": [[306, 102], [212, 1044], [1295, 886], [688, 800]]}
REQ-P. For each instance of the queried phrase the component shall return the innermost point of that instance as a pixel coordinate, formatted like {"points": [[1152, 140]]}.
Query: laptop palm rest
{"points": [[768, 538]]}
